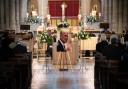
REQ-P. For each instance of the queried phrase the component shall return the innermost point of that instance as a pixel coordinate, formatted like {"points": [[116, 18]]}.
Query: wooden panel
{"points": [[54, 22], [58, 20], [72, 22], [69, 21]]}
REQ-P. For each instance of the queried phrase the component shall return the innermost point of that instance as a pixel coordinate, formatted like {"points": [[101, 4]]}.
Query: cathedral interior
{"points": [[63, 44]]}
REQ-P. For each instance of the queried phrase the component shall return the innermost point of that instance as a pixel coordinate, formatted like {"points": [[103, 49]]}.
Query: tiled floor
{"points": [[52, 78]]}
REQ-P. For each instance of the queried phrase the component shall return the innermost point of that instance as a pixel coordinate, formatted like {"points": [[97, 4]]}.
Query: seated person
{"points": [[100, 46], [102, 43], [113, 50], [5, 50], [18, 47], [61, 42]]}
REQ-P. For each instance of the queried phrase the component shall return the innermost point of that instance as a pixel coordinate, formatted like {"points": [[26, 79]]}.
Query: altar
{"points": [[77, 44]]}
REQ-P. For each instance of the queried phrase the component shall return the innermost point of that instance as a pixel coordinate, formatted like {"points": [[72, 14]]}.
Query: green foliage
{"points": [[82, 35], [91, 19], [63, 25], [33, 19], [44, 37]]}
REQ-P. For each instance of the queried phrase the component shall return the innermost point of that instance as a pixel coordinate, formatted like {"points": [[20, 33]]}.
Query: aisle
{"points": [[54, 79]]}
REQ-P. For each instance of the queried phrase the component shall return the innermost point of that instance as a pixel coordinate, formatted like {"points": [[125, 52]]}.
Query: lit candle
{"points": [[93, 13], [27, 14], [79, 16], [99, 14], [34, 13], [94, 10], [48, 16]]}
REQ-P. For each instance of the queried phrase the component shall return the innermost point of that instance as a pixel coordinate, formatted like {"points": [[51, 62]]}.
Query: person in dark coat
{"points": [[5, 50], [61, 42], [114, 50]]}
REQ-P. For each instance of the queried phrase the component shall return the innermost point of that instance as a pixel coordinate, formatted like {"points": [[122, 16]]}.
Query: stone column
{"points": [[110, 14], [23, 10], [85, 7], [114, 15], [17, 15], [120, 13], [7, 13], [2, 23], [102, 9], [12, 14], [125, 14], [43, 8], [106, 10], [40, 11]]}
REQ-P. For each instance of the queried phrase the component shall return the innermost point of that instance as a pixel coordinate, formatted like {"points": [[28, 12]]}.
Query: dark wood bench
{"points": [[19, 72], [105, 70]]}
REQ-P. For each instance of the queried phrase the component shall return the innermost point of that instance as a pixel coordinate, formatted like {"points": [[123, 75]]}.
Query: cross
{"points": [[63, 6]]}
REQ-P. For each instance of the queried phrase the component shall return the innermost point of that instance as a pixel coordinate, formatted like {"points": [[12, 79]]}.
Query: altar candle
{"points": [[93, 13]]}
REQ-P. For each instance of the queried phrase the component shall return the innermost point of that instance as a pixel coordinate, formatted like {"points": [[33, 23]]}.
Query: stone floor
{"points": [[81, 76]]}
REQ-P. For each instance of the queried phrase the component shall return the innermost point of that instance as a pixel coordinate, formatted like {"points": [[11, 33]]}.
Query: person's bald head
{"points": [[63, 36]]}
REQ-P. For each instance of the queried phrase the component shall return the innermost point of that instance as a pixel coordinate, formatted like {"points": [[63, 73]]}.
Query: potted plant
{"points": [[44, 37], [91, 19], [82, 35], [63, 24]]}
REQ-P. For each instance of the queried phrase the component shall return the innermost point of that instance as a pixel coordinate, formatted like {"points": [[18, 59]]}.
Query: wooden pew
{"points": [[21, 71], [105, 73], [108, 74], [7, 78], [122, 80]]}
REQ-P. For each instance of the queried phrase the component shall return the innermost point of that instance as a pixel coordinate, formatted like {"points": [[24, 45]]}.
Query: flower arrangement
{"points": [[44, 37], [33, 19], [63, 24], [91, 19], [83, 35]]}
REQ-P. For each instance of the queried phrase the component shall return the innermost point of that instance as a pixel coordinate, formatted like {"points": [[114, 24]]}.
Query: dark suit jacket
{"points": [[60, 47], [20, 49], [113, 52]]}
